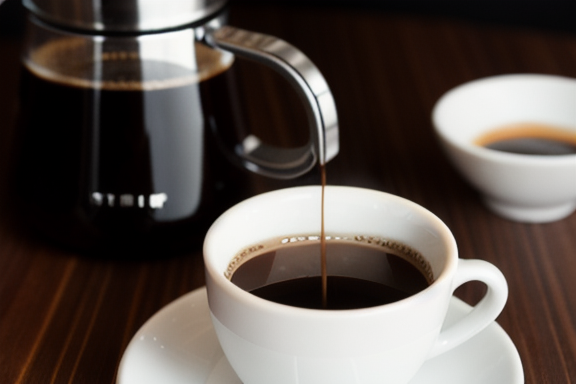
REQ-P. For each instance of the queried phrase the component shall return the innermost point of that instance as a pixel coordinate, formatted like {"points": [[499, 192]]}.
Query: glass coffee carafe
{"points": [[127, 134]]}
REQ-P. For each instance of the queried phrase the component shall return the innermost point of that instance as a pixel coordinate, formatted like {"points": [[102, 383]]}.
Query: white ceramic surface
{"points": [[524, 188], [266, 342], [178, 346]]}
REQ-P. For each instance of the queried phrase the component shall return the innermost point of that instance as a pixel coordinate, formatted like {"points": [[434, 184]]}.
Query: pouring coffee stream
{"points": [[313, 89], [145, 143]]}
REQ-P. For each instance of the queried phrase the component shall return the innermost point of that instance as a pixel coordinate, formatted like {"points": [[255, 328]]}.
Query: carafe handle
{"points": [[310, 85]]}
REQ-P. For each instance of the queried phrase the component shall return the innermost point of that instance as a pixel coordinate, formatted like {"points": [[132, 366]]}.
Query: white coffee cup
{"points": [[267, 342], [525, 188]]}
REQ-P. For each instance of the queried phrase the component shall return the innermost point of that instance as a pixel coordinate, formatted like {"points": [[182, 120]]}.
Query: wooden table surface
{"points": [[67, 318]]}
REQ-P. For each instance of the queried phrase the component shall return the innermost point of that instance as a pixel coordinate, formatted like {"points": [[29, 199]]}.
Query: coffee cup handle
{"points": [[310, 85], [483, 313]]}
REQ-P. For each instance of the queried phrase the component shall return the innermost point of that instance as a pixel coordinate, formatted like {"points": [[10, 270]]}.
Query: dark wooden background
{"points": [[67, 318]]}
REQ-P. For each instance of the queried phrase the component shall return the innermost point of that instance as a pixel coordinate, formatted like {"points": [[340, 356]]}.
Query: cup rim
{"points": [[247, 299], [489, 154]]}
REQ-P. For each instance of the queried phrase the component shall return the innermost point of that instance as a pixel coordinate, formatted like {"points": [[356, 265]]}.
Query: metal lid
{"points": [[123, 15]]}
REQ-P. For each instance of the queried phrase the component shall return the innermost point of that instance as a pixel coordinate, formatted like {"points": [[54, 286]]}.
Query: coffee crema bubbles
{"points": [[362, 271]]}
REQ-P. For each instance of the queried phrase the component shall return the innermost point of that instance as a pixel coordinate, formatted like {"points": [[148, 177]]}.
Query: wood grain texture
{"points": [[67, 318]]}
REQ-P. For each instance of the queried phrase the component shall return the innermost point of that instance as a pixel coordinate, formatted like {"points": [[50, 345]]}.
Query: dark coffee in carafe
{"points": [[130, 131], [124, 153]]}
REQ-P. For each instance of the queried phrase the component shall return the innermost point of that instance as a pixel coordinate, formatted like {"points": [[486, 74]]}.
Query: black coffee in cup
{"points": [[530, 139], [361, 271]]}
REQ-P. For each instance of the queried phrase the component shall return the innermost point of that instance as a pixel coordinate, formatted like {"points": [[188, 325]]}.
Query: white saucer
{"points": [[178, 346]]}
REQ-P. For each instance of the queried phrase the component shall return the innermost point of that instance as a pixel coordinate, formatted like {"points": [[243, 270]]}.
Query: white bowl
{"points": [[526, 188]]}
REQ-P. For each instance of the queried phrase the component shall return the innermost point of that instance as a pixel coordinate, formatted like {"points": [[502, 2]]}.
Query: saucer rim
{"points": [[199, 294]]}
